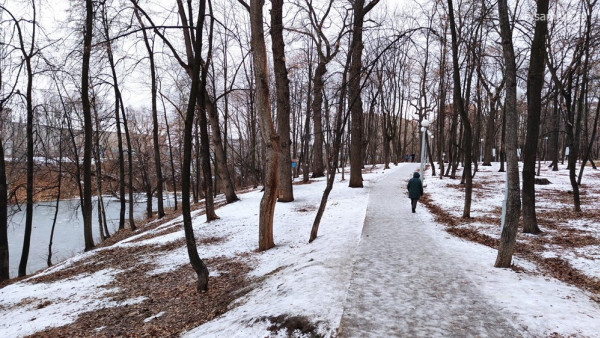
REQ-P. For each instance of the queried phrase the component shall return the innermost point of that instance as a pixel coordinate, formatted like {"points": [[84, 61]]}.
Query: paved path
{"points": [[403, 285]]}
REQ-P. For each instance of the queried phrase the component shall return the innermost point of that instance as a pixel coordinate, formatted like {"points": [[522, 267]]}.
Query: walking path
{"points": [[403, 285]]}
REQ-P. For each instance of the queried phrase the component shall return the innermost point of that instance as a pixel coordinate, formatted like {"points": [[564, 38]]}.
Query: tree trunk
{"points": [[205, 152], [130, 162], [213, 117], [88, 128], [554, 134], [502, 152], [58, 196], [30, 174], [317, 104], [354, 92], [155, 126], [267, 129], [535, 83], [148, 189], [305, 145], [441, 116], [190, 240], [581, 106], [588, 151], [512, 208], [203, 124], [100, 203], [459, 108], [4, 262], [171, 161], [282, 85], [490, 131], [117, 94], [220, 154], [340, 122]]}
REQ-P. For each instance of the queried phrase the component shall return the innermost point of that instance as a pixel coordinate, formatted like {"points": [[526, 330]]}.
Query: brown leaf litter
{"points": [[169, 303], [558, 235]]}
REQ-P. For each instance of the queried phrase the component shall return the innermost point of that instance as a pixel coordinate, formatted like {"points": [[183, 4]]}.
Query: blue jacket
{"points": [[415, 186]]}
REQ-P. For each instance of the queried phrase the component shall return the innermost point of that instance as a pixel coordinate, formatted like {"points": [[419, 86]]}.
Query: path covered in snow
{"points": [[404, 284]]}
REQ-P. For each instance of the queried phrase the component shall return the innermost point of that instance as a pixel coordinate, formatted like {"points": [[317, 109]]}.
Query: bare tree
{"points": [[27, 53], [118, 108], [512, 209], [190, 240], [573, 88], [535, 83], [155, 138], [267, 129], [102, 224], [282, 84], [7, 91], [4, 254], [203, 125], [360, 10], [88, 127], [460, 109], [4, 97], [326, 52], [340, 122], [171, 160]]}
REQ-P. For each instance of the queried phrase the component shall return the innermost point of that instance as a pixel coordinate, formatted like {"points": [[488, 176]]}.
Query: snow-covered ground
{"points": [[554, 205], [540, 304], [300, 279]]}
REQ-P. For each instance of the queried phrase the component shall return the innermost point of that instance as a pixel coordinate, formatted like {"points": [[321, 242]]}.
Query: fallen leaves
{"points": [[170, 303], [559, 234], [164, 304]]}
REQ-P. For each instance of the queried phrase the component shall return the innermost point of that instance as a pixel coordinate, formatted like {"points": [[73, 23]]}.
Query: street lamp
{"points": [[545, 148], [481, 151], [424, 125]]}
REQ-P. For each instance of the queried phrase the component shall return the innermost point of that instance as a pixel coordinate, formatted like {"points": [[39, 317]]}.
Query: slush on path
{"points": [[403, 285]]}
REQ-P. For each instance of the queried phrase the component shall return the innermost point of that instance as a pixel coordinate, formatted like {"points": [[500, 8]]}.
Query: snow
{"points": [[538, 304], [301, 279], [28, 308], [153, 317]]}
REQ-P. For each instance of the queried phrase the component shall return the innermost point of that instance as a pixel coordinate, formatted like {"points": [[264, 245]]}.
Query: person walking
{"points": [[415, 190]]}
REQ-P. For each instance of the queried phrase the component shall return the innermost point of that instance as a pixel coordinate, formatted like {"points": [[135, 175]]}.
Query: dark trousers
{"points": [[413, 203]]}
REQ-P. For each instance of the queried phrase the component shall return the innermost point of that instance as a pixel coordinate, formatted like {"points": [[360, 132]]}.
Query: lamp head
{"points": [[424, 123]]}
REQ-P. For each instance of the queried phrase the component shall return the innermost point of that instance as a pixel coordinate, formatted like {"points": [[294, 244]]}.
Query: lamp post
{"points": [[481, 150], [545, 148], [424, 125]]}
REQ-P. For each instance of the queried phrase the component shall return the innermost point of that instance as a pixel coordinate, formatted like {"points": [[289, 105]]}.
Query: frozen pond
{"points": [[68, 233]]}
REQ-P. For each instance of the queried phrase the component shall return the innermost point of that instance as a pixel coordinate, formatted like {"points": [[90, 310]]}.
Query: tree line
{"points": [[203, 98]]}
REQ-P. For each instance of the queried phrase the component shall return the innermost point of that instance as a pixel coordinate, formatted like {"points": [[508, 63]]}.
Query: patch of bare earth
{"points": [[291, 324], [170, 303], [558, 235]]}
